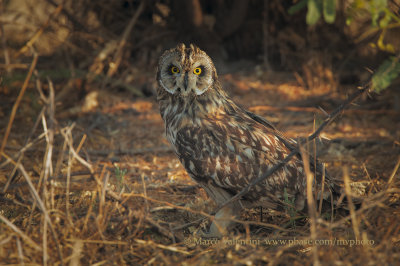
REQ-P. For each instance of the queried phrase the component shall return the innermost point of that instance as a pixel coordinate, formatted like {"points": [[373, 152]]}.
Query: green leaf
{"points": [[384, 22], [382, 46], [376, 9], [380, 5], [313, 12], [386, 73], [358, 4], [297, 7], [349, 20], [329, 10]]}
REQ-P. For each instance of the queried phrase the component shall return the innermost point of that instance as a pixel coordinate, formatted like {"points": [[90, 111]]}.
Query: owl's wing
{"points": [[234, 151], [260, 120], [289, 143]]}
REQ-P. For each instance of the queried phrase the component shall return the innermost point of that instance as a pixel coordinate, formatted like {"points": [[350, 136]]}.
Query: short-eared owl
{"points": [[222, 146]]}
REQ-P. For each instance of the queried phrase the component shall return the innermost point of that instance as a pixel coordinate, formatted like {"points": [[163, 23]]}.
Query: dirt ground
{"points": [[110, 191]]}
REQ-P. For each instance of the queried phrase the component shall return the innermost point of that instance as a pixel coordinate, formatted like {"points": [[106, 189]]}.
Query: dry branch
{"points": [[153, 244], [295, 151], [130, 151], [118, 54], [311, 202], [18, 101], [352, 209], [259, 108]]}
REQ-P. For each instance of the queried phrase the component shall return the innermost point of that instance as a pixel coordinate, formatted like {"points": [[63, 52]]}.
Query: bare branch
{"points": [[295, 151], [18, 101]]}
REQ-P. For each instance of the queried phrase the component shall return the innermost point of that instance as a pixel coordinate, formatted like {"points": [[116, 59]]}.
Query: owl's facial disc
{"points": [[186, 72]]}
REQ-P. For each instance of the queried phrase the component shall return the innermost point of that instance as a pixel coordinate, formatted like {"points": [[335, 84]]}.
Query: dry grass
{"points": [[93, 180], [69, 204]]}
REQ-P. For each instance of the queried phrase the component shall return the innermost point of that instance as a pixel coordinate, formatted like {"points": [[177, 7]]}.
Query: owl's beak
{"points": [[186, 80]]}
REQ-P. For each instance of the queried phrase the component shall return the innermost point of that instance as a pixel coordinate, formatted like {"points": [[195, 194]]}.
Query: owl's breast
{"points": [[189, 114]]}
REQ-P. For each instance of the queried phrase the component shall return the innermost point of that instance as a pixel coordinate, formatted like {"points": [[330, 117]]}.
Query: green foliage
{"points": [[329, 10], [120, 176], [297, 7], [289, 207], [382, 19], [386, 73], [314, 10], [374, 7]]}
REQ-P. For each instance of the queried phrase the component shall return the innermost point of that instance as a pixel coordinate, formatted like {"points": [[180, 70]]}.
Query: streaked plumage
{"points": [[222, 146]]}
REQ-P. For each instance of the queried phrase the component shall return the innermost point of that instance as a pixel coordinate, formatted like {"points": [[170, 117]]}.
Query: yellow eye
{"points": [[197, 71], [174, 70]]}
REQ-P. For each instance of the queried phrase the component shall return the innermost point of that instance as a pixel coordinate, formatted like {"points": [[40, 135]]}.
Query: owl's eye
{"points": [[174, 70], [197, 70]]}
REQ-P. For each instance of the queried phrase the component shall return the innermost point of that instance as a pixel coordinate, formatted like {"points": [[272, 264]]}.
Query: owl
{"points": [[222, 146]]}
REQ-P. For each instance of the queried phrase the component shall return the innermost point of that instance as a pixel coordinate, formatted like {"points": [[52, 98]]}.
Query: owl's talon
{"points": [[222, 222], [210, 234]]}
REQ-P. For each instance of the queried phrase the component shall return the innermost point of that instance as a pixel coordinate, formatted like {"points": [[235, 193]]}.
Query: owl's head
{"points": [[184, 71]]}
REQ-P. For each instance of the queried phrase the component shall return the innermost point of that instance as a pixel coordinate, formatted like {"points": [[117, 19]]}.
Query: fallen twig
{"points": [[20, 252], [104, 242], [28, 240], [20, 155], [154, 244], [66, 134], [42, 207], [129, 195], [131, 151], [375, 200], [162, 230]]}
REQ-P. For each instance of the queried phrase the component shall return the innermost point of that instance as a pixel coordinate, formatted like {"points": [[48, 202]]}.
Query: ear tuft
{"points": [[195, 49], [180, 47]]}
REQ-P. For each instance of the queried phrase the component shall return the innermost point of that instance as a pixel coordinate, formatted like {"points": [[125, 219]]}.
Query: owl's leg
{"points": [[223, 221]]}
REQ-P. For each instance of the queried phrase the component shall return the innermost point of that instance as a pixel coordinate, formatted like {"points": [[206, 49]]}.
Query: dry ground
{"points": [[127, 200]]}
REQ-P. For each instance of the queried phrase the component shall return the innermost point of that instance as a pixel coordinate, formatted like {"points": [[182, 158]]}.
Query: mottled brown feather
{"points": [[222, 146]]}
